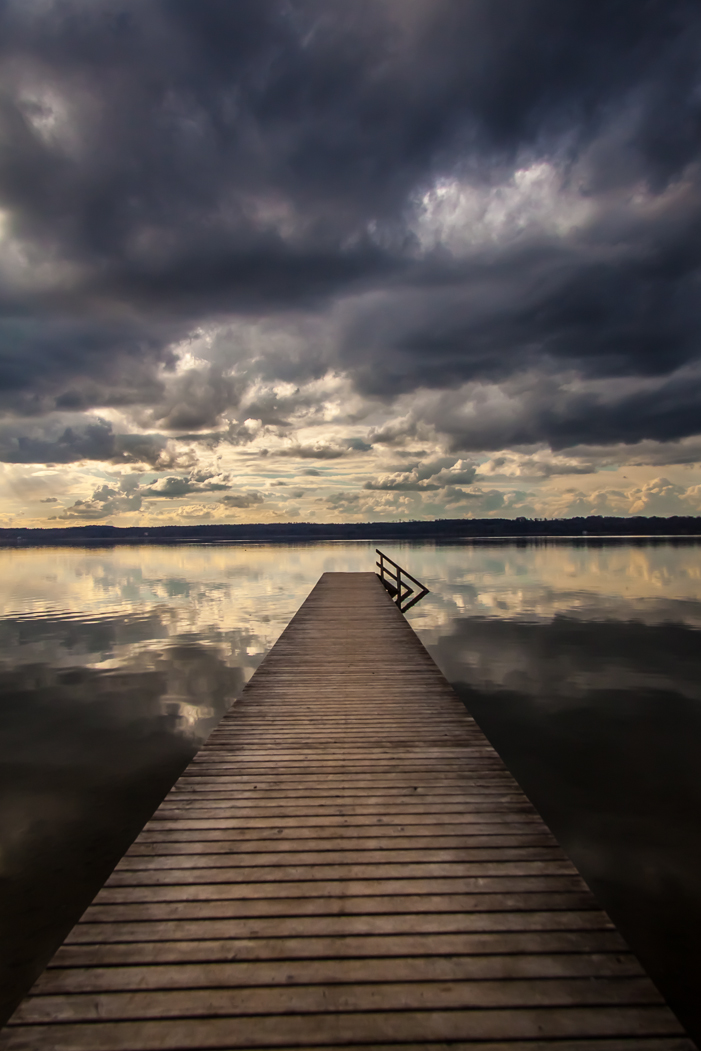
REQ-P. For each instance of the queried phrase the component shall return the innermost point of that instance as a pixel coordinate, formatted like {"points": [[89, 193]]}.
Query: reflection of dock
{"points": [[346, 862]]}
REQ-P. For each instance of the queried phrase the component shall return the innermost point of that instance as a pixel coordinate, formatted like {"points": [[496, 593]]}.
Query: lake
{"points": [[581, 660]]}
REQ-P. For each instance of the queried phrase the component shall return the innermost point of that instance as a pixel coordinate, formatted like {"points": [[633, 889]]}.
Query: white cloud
{"points": [[536, 199], [105, 502], [662, 497], [426, 476], [243, 499], [193, 513], [542, 464], [659, 496]]}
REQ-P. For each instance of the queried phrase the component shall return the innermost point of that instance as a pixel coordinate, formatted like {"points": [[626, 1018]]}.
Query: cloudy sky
{"points": [[349, 259]]}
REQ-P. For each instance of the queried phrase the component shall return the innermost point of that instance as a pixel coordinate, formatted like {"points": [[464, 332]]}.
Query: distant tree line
{"points": [[439, 529]]}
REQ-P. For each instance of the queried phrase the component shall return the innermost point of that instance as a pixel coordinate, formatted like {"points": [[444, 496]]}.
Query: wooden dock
{"points": [[347, 862]]}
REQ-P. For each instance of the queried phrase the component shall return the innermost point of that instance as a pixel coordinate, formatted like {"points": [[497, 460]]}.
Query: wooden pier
{"points": [[347, 862]]}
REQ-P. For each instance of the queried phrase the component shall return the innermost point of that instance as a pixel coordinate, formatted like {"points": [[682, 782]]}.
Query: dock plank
{"points": [[347, 862]]}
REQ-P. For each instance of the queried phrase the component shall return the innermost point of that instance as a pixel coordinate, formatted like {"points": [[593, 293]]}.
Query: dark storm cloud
{"points": [[195, 398], [551, 305], [53, 361], [53, 440], [540, 411], [182, 161], [95, 441]]}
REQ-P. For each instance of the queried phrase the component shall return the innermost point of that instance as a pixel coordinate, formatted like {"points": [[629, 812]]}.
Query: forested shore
{"points": [[440, 530]]}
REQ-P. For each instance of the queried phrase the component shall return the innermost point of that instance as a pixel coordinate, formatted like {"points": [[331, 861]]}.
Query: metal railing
{"points": [[396, 582]]}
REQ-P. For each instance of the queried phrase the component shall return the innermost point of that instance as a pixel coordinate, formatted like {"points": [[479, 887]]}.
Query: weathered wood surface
{"points": [[346, 862]]}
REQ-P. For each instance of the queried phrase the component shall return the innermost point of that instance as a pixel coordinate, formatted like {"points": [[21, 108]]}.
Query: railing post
{"points": [[397, 578]]}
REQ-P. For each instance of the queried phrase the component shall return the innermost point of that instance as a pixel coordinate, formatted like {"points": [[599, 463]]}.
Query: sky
{"points": [[349, 260]]}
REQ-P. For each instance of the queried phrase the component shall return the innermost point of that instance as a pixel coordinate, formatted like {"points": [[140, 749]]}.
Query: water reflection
{"points": [[115, 665], [601, 723], [87, 753], [581, 661], [591, 692]]}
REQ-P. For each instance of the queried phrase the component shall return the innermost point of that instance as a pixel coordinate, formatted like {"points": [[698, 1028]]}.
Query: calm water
{"points": [[581, 661]]}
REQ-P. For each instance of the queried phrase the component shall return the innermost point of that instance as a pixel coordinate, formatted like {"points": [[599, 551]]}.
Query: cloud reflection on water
{"points": [[580, 660], [600, 721]]}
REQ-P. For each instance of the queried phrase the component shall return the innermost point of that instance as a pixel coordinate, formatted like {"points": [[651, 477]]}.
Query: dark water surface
{"points": [[581, 661]]}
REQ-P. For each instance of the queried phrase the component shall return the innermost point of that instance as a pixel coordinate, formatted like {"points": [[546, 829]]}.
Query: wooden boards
{"points": [[346, 863]]}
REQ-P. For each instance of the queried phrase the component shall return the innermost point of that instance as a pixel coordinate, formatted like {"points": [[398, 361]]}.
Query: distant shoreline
{"points": [[441, 530]]}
